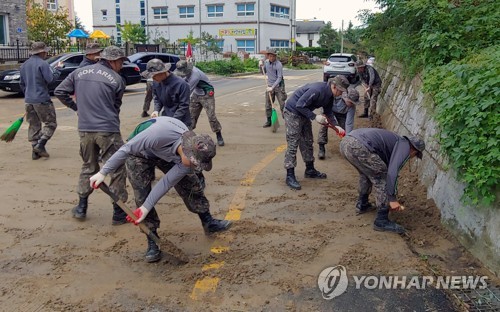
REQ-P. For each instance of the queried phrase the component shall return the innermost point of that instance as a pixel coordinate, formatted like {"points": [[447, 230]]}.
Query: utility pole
{"points": [[342, 38]]}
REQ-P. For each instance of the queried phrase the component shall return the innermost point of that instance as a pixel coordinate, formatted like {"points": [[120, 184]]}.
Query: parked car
{"points": [[66, 63], [340, 64], [142, 58], [370, 61]]}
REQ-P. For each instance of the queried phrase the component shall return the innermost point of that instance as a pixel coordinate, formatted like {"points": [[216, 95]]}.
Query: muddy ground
{"points": [[268, 261]]}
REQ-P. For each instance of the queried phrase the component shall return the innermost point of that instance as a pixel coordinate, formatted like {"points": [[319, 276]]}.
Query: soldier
{"points": [[167, 144], [148, 98], [36, 75], [370, 79], [273, 69], [344, 108], [202, 96], [92, 52], [170, 93], [378, 155], [100, 90], [298, 115]]}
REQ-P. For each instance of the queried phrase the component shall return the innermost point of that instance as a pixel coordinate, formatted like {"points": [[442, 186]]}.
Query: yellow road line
{"points": [[237, 205]]}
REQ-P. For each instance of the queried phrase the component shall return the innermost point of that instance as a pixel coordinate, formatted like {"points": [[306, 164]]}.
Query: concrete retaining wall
{"points": [[406, 110]]}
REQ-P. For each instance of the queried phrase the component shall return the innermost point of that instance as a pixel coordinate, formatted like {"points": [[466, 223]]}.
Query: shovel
{"points": [[173, 251]]}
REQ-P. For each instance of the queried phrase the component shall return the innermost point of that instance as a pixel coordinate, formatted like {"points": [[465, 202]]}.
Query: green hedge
{"points": [[229, 66]]}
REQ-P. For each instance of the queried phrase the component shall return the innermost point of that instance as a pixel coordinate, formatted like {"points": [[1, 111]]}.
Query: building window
{"points": [[186, 11], [3, 29], [218, 42], [216, 10], [160, 13], [142, 4], [279, 44], [52, 5], [245, 9], [246, 45], [118, 19], [279, 11]]}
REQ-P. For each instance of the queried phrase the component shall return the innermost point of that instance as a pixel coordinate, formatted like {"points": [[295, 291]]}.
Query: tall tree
{"points": [[79, 25], [329, 38], [133, 33], [209, 44], [44, 25]]}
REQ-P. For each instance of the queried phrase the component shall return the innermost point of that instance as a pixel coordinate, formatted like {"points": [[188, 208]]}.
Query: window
{"points": [[218, 42], [245, 9], [3, 29], [160, 13], [52, 5], [142, 5], [279, 44], [216, 10], [246, 45], [279, 11], [186, 11], [118, 19]]}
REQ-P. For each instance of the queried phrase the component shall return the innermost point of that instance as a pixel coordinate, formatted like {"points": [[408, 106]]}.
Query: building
{"points": [[54, 5], [12, 22], [308, 32], [238, 25]]}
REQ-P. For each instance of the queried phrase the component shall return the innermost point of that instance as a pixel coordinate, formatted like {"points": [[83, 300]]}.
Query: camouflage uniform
{"points": [[371, 100], [372, 169], [298, 136], [279, 94], [141, 173], [323, 131], [149, 96], [198, 102], [36, 114]]}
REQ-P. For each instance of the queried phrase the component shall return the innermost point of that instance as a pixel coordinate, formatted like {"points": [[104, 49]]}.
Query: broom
{"points": [[11, 132], [274, 115]]}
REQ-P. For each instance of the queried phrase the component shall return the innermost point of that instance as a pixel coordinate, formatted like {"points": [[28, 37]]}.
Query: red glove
{"points": [[210, 93], [140, 213]]}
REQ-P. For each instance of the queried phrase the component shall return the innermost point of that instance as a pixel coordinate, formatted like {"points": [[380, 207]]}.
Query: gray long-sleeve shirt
{"points": [[36, 75], [161, 140], [394, 150], [171, 98], [310, 97], [99, 90], [194, 78], [274, 72], [370, 77]]}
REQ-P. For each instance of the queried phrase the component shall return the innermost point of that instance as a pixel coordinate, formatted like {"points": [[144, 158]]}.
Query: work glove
{"points": [[340, 131], [321, 119], [154, 114], [269, 89], [140, 213], [96, 180]]}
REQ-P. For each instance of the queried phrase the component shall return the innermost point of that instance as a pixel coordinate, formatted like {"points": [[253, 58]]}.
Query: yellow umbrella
{"points": [[98, 34]]}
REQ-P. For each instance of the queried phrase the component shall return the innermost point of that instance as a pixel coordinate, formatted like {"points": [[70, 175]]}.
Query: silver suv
{"points": [[340, 64]]}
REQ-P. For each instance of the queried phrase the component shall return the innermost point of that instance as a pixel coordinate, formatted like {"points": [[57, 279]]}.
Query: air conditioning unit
{"points": [[104, 18]]}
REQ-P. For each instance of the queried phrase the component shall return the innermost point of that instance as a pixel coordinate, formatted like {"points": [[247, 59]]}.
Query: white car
{"points": [[370, 61], [340, 64]]}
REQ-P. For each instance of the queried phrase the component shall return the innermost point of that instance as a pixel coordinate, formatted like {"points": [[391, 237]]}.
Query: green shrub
{"points": [[227, 67]]}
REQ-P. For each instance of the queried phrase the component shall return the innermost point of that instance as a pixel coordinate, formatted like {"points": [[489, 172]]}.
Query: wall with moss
{"points": [[406, 110]]}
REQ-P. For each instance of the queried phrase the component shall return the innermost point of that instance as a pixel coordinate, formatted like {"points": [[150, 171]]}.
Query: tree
{"points": [[44, 25], [329, 38], [133, 33], [209, 44], [79, 25]]}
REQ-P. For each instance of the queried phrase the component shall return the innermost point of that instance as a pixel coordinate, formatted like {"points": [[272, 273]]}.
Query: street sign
{"points": [[19, 30]]}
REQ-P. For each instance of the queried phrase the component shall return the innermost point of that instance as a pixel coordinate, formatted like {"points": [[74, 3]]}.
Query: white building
{"points": [[248, 25], [308, 32]]}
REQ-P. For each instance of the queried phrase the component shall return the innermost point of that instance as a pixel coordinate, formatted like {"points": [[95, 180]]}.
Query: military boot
{"points": [[382, 222], [211, 225], [220, 140], [291, 180], [312, 173], [80, 210], [363, 206], [119, 216], [34, 155], [321, 152], [153, 253], [40, 148], [364, 114], [268, 123]]}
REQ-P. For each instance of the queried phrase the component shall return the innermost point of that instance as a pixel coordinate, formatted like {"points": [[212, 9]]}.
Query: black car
{"points": [[66, 63], [142, 58]]}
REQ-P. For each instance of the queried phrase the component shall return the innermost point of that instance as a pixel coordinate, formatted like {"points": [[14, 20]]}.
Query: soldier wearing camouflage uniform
{"points": [[100, 90], [36, 75], [344, 109], [379, 155], [166, 144], [170, 93], [92, 52], [369, 77], [273, 69], [298, 115], [202, 96]]}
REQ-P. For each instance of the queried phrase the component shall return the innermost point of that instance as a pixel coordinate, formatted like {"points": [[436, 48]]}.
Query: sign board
{"points": [[237, 32], [19, 30]]}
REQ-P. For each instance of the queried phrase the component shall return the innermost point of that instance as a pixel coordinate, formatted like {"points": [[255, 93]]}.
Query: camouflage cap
{"points": [[417, 144], [154, 67], [341, 82], [271, 51], [183, 68], [199, 148], [113, 53], [352, 95], [92, 48], [360, 63], [38, 47]]}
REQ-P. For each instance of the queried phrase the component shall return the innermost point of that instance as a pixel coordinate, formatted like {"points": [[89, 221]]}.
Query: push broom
{"points": [[11, 132]]}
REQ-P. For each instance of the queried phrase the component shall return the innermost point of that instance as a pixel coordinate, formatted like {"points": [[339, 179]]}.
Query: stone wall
{"points": [[15, 10], [406, 110]]}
